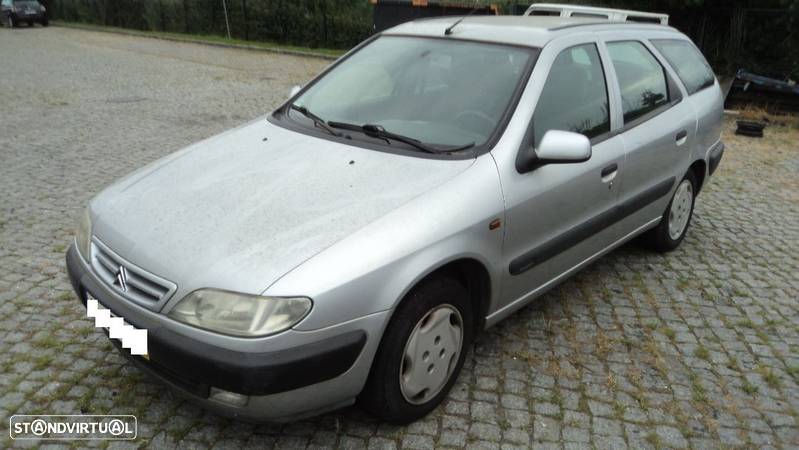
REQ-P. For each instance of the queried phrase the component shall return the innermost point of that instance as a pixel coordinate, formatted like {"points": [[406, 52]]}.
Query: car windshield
{"points": [[443, 92], [28, 3]]}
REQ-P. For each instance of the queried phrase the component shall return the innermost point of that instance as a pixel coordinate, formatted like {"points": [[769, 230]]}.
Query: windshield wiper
{"points": [[318, 121], [377, 131]]}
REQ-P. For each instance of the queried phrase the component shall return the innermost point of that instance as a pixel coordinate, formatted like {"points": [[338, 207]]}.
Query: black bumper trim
{"points": [[195, 366], [590, 227], [715, 157]]}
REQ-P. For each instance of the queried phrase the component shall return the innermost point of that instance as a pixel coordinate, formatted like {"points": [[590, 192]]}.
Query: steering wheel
{"points": [[468, 117]]}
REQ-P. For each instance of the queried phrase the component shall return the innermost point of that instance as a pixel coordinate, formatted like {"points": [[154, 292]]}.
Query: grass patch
{"points": [[49, 341], [698, 393], [746, 323], [771, 323], [702, 353], [793, 371], [749, 388], [43, 362], [618, 410], [210, 39], [655, 440], [771, 378], [740, 292], [669, 333], [61, 248]]}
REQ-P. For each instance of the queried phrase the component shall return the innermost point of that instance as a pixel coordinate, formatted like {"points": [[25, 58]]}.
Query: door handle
{"points": [[681, 137], [609, 174], [609, 170]]}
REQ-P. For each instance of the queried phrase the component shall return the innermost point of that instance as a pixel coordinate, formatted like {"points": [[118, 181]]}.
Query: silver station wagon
{"points": [[348, 246]]}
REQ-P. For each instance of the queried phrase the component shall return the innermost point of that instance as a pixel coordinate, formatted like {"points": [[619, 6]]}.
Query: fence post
{"points": [[246, 22], [185, 16], [227, 22], [161, 13]]}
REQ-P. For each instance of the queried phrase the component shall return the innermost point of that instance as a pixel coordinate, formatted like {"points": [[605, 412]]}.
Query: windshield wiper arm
{"points": [[318, 121], [377, 131]]}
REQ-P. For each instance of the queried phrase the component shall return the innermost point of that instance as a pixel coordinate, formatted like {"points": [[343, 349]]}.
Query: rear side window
{"points": [[575, 96], [689, 64], [641, 78]]}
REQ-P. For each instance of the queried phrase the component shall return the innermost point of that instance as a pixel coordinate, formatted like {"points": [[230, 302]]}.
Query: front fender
{"points": [[373, 269]]}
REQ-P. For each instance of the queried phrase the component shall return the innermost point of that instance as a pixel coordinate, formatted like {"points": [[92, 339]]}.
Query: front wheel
{"points": [[45, 22], [421, 353], [673, 226]]}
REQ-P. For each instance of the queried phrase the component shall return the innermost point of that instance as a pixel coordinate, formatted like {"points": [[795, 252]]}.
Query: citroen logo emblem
{"points": [[122, 278]]}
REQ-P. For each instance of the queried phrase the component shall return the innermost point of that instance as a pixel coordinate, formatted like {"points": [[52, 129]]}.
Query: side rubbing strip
{"points": [[563, 242], [643, 199], [589, 228]]}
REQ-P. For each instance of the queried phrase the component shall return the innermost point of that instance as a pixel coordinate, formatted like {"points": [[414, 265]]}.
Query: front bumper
{"points": [[282, 384], [23, 17]]}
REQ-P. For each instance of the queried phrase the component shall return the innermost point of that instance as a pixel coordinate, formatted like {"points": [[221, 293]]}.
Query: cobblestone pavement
{"points": [[697, 349]]}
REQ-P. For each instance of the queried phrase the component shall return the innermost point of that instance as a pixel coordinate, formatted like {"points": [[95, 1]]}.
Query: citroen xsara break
{"points": [[348, 246]]}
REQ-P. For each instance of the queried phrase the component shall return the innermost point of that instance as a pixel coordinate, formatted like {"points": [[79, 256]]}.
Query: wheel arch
{"points": [[470, 272], [699, 169]]}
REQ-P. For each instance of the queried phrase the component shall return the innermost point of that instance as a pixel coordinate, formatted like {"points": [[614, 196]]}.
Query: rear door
{"points": [[703, 90], [659, 127]]}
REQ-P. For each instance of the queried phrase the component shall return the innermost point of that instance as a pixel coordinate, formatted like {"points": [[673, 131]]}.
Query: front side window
{"points": [[641, 78], [442, 92], [689, 64], [575, 96]]}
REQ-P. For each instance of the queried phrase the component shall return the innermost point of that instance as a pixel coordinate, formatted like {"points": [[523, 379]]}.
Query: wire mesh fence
{"points": [[326, 24], [759, 35]]}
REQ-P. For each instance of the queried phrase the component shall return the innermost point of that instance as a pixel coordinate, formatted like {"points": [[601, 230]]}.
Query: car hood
{"points": [[241, 209]]}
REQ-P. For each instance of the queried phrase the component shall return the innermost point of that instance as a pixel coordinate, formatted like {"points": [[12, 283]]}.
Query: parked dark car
{"points": [[15, 12]]}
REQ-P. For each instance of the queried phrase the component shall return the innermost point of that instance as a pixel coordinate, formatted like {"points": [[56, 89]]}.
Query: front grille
{"points": [[139, 285]]}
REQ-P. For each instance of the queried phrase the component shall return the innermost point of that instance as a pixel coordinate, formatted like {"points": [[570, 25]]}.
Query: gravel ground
{"points": [[697, 349]]}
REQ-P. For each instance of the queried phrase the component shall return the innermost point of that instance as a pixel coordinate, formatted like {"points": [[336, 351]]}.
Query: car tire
{"points": [[30, 23], [674, 224], [45, 22], [421, 353]]}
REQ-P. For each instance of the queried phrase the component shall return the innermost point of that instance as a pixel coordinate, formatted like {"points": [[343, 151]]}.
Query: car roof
{"points": [[534, 31]]}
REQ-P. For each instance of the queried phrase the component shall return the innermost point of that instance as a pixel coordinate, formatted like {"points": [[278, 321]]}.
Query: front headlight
{"points": [[240, 314], [84, 234]]}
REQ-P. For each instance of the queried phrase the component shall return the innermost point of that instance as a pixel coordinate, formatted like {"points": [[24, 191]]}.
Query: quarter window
{"points": [[641, 78], [689, 64], [575, 96]]}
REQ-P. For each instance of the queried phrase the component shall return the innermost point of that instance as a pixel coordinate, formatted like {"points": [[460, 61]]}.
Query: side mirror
{"points": [[563, 147], [294, 90], [556, 147]]}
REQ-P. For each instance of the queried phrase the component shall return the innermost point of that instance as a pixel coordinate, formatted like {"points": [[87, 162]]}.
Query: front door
{"points": [[559, 215]]}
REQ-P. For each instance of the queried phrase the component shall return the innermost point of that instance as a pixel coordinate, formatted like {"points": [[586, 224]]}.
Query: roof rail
{"points": [[619, 15]]}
